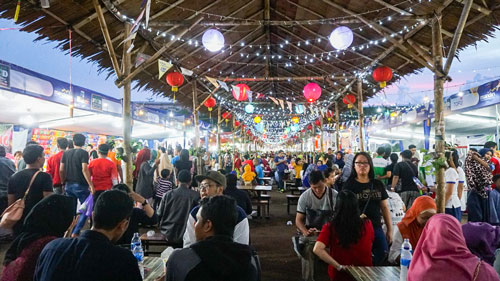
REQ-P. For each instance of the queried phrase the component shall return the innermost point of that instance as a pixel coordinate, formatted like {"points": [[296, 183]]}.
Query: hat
{"points": [[213, 175]]}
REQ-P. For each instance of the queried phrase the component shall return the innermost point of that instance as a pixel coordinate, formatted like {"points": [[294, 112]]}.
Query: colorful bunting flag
{"points": [[213, 81], [141, 58], [163, 67], [186, 71]]}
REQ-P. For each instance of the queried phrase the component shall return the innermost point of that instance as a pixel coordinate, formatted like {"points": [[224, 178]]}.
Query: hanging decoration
{"points": [[341, 37], [295, 119], [237, 123], [382, 74], [18, 9], [349, 98], [226, 116], [329, 115], [213, 40], [309, 127], [299, 109], [249, 108], [240, 92], [317, 122], [175, 80], [257, 119], [210, 103], [312, 92]]}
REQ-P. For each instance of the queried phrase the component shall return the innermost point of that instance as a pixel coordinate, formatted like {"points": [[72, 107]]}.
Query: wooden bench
{"points": [[291, 199], [262, 203], [158, 239], [298, 190]]}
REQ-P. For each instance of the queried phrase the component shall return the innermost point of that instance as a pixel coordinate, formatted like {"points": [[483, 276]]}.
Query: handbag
{"points": [[15, 211]]}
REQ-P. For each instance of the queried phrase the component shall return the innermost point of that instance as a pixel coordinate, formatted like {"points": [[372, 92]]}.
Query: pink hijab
{"points": [[442, 254]]}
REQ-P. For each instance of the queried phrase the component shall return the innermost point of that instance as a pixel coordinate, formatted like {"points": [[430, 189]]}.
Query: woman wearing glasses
{"points": [[372, 201]]}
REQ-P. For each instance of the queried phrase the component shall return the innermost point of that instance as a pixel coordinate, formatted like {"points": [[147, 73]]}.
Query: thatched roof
{"points": [[394, 33]]}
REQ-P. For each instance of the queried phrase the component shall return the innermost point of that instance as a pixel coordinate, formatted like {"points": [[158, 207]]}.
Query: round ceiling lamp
{"points": [[249, 108], [312, 92], [213, 40], [341, 37], [257, 119]]}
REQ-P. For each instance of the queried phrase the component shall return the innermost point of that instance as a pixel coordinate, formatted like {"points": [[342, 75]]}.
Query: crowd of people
{"points": [[356, 209]]}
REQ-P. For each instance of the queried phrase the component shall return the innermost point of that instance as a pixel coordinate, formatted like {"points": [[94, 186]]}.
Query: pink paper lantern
{"points": [[312, 92], [242, 94]]}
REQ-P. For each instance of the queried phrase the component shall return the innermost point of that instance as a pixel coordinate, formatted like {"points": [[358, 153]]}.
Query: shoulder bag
{"points": [[15, 211]]}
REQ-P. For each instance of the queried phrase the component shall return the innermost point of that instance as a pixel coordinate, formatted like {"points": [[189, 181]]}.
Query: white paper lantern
{"points": [[341, 37], [249, 108], [213, 40]]}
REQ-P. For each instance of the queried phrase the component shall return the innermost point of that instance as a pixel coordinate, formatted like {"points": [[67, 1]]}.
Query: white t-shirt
{"points": [[395, 205], [451, 177], [309, 200]]}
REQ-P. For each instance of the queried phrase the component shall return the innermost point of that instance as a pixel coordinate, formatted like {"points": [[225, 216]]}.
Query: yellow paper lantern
{"points": [[257, 119], [295, 119]]}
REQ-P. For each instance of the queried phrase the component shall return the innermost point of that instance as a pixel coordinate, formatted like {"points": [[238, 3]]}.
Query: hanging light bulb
{"points": [[213, 40], [341, 37]]}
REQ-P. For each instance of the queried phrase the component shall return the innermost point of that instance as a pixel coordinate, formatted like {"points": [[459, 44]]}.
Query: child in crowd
{"points": [[248, 175], [163, 184], [297, 167]]}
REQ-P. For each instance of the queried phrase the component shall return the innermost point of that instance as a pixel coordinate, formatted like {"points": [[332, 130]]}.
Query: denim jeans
{"points": [[379, 248], [281, 184], [80, 192]]}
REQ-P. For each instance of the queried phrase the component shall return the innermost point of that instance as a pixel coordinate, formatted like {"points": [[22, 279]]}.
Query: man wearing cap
{"points": [[213, 184]]}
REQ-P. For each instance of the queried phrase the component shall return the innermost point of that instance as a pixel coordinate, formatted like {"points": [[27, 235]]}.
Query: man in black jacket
{"points": [[214, 257]]}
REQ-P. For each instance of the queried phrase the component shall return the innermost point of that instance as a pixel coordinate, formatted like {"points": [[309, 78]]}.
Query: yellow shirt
{"points": [[297, 169]]}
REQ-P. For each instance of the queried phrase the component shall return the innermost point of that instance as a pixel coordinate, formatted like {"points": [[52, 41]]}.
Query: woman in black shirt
{"points": [[183, 163], [372, 199]]}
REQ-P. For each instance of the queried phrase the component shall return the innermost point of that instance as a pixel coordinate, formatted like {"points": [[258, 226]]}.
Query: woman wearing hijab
{"points": [[339, 159], [442, 254], [145, 186], [482, 239], [48, 220], [143, 155], [478, 176], [165, 164], [412, 225]]}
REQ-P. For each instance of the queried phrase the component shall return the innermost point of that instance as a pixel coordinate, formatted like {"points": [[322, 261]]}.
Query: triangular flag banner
{"points": [[135, 27], [259, 96], [236, 89], [223, 85], [163, 67], [249, 94], [213, 81], [274, 100], [130, 48], [141, 58], [282, 104], [148, 8], [186, 71], [289, 106]]}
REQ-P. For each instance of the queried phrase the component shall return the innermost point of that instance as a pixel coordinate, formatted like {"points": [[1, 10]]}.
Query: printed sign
{"points": [[4, 76], [96, 102]]}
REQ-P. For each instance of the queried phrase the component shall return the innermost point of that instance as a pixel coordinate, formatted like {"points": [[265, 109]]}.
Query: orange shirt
{"points": [[112, 157]]}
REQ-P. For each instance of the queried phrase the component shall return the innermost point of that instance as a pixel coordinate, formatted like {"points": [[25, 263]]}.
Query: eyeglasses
{"points": [[207, 186], [362, 163]]}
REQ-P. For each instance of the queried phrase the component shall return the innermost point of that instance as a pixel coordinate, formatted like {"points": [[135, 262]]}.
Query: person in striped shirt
{"points": [[163, 184]]}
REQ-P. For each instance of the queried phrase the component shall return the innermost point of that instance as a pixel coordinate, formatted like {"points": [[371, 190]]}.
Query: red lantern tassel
{"points": [[18, 9]]}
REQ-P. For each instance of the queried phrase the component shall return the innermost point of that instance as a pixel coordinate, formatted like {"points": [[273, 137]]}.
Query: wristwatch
{"points": [[340, 267], [144, 203]]}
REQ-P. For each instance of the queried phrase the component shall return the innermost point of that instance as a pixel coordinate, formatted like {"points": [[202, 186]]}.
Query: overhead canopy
{"points": [[263, 39]]}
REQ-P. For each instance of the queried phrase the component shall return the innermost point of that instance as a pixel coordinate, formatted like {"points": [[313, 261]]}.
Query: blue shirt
{"points": [[89, 257], [281, 167], [175, 159], [260, 172]]}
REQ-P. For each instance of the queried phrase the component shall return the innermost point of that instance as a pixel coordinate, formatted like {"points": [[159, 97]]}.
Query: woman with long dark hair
{"points": [[372, 200], [348, 236], [183, 163]]}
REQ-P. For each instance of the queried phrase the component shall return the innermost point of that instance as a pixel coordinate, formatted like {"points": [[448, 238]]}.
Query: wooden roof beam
{"points": [[394, 8], [458, 34], [165, 10], [484, 10], [107, 38]]}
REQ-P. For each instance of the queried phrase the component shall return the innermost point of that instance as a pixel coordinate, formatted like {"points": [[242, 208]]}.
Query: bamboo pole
{"points": [[127, 115], [211, 93], [458, 35], [219, 117], [437, 51], [321, 133], [107, 38], [196, 128], [337, 125], [361, 115]]}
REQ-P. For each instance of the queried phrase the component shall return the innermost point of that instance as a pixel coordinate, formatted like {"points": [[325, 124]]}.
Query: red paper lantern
{"points": [[309, 127], [226, 116], [312, 92], [242, 94], [317, 122], [349, 98], [237, 123], [382, 74], [175, 79], [329, 115], [210, 103]]}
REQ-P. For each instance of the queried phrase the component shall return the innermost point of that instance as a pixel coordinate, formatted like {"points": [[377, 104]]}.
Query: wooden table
{"points": [[259, 189], [371, 273], [153, 268]]}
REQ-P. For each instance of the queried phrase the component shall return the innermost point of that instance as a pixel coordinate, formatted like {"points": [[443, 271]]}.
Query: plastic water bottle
{"points": [[136, 241], [139, 255], [405, 259]]}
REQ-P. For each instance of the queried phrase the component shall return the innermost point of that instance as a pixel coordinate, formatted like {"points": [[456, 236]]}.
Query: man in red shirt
{"points": [[103, 172], [249, 161], [237, 162], [54, 163]]}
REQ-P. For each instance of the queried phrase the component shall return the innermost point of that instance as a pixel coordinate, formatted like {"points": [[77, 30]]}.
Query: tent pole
{"points": [[361, 115], [127, 115]]}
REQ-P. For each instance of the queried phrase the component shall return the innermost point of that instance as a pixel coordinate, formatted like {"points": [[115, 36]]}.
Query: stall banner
{"points": [[485, 95], [6, 136], [4, 76]]}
